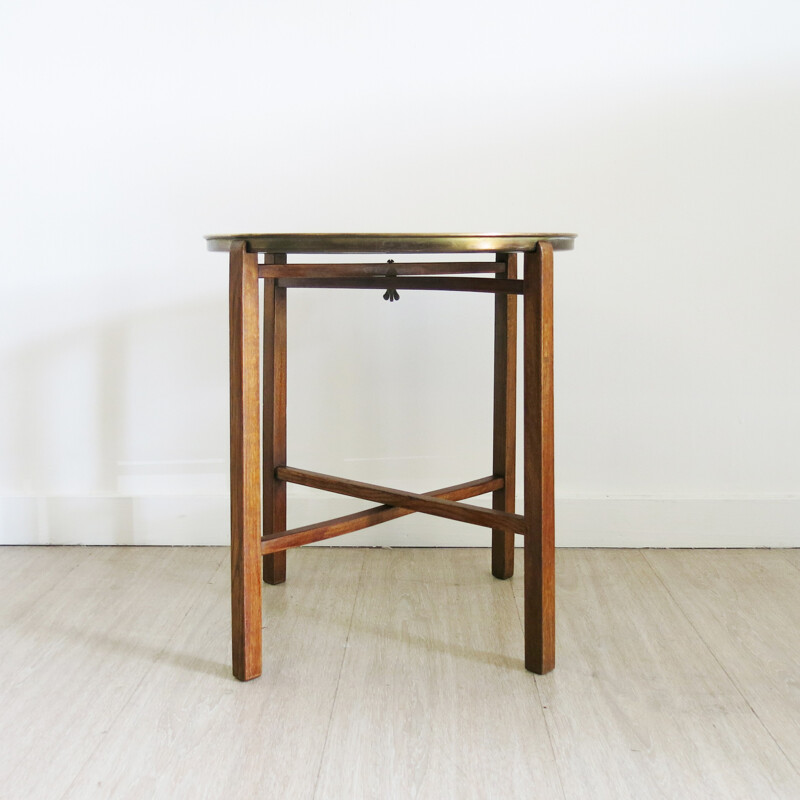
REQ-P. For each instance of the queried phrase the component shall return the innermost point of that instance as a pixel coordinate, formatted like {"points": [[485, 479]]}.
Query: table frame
{"points": [[259, 473]]}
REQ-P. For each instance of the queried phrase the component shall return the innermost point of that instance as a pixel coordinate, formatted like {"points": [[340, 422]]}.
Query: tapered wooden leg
{"points": [[245, 465], [274, 447], [540, 630], [505, 415]]}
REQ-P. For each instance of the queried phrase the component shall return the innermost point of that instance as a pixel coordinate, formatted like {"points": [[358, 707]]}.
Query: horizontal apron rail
{"points": [[462, 512], [491, 285], [371, 516], [380, 269]]}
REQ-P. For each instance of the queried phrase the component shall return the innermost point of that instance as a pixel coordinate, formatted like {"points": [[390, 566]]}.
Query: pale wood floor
{"points": [[398, 674]]}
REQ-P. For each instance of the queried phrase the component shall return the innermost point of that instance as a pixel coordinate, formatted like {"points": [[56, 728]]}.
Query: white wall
{"points": [[665, 133]]}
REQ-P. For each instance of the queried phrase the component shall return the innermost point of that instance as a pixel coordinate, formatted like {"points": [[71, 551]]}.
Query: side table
{"points": [[259, 472]]}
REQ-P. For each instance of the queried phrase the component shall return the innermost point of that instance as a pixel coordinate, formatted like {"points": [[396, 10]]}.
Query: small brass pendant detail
{"points": [[391, 293]]}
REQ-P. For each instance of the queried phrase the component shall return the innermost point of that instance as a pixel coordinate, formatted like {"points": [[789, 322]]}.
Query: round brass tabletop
{"points": [[390, 242]]}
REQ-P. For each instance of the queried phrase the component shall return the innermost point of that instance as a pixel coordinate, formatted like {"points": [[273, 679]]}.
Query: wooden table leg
{"points": [[274, 442], [245, 465], [540, 630], [505, 415]]}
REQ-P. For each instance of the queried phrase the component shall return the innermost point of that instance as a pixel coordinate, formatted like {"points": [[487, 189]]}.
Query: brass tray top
{"points": [[390, 242]]}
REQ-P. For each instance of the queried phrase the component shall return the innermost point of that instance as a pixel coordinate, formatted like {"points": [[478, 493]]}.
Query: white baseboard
{"points": [[580, 522]]}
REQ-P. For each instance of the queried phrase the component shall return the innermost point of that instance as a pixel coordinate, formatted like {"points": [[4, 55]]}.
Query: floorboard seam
{"points": [[135, 689], [734, 683], [539, 697], [339, 676], [790, 561], [91, 553]]}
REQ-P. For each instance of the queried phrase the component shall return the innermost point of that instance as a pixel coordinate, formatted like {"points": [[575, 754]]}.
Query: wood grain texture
{"points": [[28, 576], [539, 490], [462, 512], [745, 606], [245, 465], [791, 555], [639, 706], [405, 283], [359, 520], [73, 658], [379, 268], [433, 701], [504, 437], [115, 681], [273, 451], [190, 731]]}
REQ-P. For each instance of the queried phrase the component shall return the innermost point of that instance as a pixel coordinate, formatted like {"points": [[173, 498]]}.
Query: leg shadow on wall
{"points": [[116, 433]]}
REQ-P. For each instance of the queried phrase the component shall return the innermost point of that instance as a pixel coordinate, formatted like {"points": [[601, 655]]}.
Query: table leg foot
{"points": [[540, 628], [245, 466], [274, 395], [274, 571], [505, 415]]}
